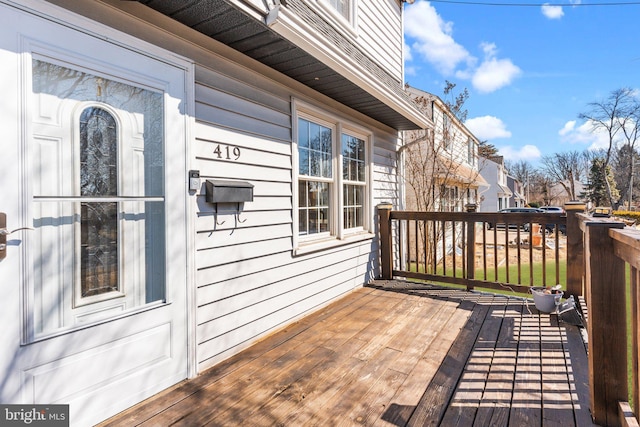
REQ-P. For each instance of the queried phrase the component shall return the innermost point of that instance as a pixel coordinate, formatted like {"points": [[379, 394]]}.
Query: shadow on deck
{"points": [[394, 354]]}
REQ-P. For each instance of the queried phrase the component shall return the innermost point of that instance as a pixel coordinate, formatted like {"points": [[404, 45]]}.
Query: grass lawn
{"points": [[528, 277]]}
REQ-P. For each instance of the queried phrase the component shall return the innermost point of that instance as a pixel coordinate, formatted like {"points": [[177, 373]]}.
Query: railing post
{"points": [[575, 250], [607, 329], [386, 247], [471, 245]]}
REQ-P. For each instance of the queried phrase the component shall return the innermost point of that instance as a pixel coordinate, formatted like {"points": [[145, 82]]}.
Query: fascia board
{"points": [[288, 25]]}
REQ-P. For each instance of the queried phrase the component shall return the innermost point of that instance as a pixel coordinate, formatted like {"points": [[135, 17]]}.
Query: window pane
{"points": [[353, 206], [303, 160], [313, 213], [316, 160], [303, 133], [303, 221], [353, 158]]}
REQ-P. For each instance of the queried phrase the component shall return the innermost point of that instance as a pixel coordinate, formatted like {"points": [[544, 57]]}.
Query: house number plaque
{"points": [[227, 152]]}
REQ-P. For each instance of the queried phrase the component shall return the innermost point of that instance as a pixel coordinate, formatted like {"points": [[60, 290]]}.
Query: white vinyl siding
{"points": [[249, 279], [380, 34]]}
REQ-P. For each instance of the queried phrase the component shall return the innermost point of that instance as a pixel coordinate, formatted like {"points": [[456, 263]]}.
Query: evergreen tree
{"points": [[601, 183]]}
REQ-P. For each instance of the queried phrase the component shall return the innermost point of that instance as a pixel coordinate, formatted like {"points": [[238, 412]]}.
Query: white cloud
{"points": [[487, 128], [567, 128], [407, 52], [494, 74], [552, 12], [586, 134], [527, 152], [433, 40], [433, 37]]}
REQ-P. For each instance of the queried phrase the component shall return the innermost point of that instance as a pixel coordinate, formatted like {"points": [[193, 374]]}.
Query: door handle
{"points": [[4, 233]]}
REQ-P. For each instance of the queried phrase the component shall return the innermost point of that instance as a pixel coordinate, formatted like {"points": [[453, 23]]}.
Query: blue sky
{"points": [[530, 70]]}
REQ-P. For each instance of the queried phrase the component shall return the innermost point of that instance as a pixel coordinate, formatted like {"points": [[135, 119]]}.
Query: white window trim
{"points": [[337, 234]]}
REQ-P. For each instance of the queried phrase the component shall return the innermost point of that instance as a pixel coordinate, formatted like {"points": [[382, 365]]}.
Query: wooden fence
{"points": [[489, 250]]}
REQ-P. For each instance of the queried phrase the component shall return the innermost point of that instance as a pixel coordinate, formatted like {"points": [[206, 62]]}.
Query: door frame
{"points": [[74, 22]]}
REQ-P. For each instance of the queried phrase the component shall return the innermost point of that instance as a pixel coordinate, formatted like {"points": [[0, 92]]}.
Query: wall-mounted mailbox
{"points": [[228, 191]]}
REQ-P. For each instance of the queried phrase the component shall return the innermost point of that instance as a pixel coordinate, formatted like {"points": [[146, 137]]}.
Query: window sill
{"points": [[331, 242]]}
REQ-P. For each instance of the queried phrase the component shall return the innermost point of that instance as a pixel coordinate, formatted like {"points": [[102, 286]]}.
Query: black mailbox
{"points": [[228, 191]]}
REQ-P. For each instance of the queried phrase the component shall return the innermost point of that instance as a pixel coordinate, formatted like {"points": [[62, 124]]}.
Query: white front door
{"points": [[94, 160]]}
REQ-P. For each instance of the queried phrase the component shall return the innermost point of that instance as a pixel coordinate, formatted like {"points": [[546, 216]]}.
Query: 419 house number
{"points": [[227, 152]]}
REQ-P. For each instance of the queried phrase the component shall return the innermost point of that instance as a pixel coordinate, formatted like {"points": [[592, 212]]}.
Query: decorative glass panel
{"points": [[95, 258], [99, 221]]}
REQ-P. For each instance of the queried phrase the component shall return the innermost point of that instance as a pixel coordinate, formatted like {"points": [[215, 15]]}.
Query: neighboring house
{"points": [[556, 194], [197, 175], [440, 164], [497, 195], [518, 198], [440, 169]]}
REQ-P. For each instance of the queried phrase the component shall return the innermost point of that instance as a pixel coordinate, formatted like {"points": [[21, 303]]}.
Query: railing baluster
{"points": [[557, 254], [484, 249], [543, 243], [506, 251], [416, 243], [434, 254], [531, 255], [453, 247], [518, 252], [408, 240], [424, 245]]}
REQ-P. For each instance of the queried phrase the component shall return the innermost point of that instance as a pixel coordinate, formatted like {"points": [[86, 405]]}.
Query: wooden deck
{"points": [[394, 354]]}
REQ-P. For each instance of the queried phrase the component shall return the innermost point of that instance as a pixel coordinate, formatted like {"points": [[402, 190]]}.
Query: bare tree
{"points": [[616, 116], [565, 169], [625, 162], [524, 172], [435, 175]]}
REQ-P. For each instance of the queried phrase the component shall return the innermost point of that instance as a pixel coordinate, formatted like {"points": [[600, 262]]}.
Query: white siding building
{"points": [[441, 169], [497, 195], [197, 175]]}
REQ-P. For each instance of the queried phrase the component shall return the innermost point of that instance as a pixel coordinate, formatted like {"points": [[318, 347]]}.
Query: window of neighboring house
{"points": [[333, 185], [446, 137], [449, 199], [471, 152]]}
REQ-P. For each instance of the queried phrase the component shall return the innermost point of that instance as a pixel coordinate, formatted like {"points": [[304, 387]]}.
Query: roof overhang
{"points": [[281, 40], [454, 172], [504, 190]]}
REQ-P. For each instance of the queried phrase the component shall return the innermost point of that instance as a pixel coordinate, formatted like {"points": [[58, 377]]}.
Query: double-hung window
{"points": [[333, 184]]}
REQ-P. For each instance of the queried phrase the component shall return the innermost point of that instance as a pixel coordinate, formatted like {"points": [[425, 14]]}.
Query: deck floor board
{"points": [[393, 354]]}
